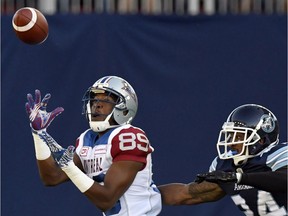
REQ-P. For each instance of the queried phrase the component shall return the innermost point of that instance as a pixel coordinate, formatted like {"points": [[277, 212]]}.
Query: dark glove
{"points": [[217, 177]]}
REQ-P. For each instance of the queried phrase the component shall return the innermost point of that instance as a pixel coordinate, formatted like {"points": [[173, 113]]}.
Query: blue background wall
{"points": [[189, 73]]}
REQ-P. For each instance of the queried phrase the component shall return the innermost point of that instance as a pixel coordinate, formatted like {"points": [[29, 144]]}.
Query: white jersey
{"points": [[126, 142]]}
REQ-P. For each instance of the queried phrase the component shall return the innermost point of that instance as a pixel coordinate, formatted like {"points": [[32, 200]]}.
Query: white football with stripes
{"points": [[30, 25]]}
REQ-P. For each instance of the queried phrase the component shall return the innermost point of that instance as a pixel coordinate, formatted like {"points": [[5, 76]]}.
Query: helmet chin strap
{"points": [[99, 126], [242, 158]]}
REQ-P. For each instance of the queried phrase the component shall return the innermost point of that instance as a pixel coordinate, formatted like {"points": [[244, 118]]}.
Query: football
{"points": [[30, 25]]}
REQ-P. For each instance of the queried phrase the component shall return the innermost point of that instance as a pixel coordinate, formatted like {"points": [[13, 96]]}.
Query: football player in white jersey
{"points": [[112, 163], [251, 167]]}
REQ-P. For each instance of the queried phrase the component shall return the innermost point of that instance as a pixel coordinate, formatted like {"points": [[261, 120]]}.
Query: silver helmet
{"points": [[125, 107]]}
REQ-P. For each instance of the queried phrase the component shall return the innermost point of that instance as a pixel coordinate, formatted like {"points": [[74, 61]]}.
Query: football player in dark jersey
{"points": [[251, 167]]}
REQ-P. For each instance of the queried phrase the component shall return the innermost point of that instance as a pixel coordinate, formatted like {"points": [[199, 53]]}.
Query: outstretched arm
{"points": [[271, 181], [50, 173], [190, 194], [46, 148]]}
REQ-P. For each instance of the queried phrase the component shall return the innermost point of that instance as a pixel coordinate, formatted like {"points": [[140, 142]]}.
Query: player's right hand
{"points": [[39, 118]]}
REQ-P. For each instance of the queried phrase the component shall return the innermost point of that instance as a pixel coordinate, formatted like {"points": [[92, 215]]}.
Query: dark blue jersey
{"points": [[251, 200]]}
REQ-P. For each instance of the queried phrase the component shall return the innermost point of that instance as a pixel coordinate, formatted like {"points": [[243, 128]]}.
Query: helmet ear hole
{"points": [[121, 106], [113, 121]]}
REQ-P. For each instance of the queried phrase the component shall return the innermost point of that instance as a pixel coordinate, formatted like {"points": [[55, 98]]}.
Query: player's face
{"points": [[101, 106], [238, 138]]}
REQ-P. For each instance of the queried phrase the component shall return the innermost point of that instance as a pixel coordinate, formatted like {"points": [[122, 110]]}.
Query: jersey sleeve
{"points": [[130, 144], [278, 158], [271, 181]]}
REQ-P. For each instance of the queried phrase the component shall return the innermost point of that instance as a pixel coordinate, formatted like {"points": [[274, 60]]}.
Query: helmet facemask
{"points": [[108, 122], [259, 130], [125, 103], [234, 142]]}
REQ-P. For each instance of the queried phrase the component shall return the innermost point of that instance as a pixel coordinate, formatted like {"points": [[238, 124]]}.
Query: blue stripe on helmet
{"points": [[105, 79]]}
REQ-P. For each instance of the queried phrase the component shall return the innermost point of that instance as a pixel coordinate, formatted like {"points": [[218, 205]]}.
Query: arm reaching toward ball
{"points": [[190, 194], [39, 118], [48, 151]]}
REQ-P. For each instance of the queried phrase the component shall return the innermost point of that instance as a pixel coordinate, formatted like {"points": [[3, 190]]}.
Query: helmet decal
{"points": [[104, 79], [268, 124], [128, 89]]}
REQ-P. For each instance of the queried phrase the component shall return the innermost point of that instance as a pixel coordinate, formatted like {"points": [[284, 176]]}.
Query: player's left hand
{"points": [[67, 157], [39, 118], [217, 177]]}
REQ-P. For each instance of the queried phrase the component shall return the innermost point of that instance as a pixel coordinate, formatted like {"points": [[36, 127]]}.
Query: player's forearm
{"points": [[190, 194], [205, 192], [175, 194], [50, 173], [269, 181], [101, 197]]}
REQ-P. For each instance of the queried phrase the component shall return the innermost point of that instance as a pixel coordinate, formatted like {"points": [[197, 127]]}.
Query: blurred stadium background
{"points": [[152, 7], [190, 61]]}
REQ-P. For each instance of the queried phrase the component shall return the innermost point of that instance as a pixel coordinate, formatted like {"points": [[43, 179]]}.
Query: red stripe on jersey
{"points": [[77, 143], [130, 144]]}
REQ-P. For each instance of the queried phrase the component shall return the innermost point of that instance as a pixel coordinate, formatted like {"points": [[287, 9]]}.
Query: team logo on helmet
{"points": [[268, 123], [128, 89]]}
